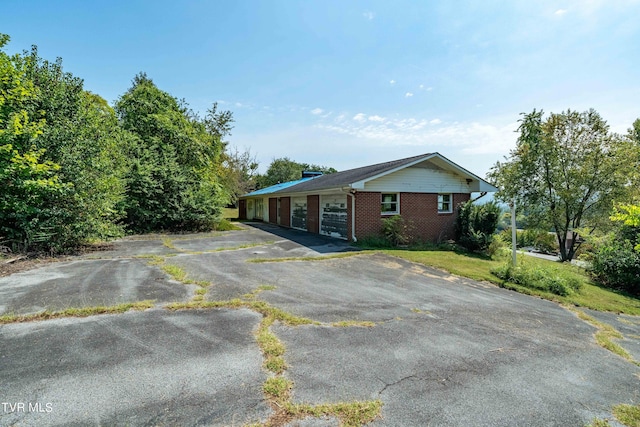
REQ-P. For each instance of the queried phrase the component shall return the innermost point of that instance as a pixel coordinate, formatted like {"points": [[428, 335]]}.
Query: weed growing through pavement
{"points": [[277, 388], [307, 258], [75, 312], [628, 415], [605, 334]]}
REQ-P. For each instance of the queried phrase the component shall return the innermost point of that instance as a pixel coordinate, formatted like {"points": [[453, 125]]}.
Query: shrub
{"points": [[616, 261], [475, 225], [374, 241], [616, 264], [536, 277], [396, 230]]}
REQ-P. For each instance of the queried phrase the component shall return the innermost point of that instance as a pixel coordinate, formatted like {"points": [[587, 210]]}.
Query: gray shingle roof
{"points": [[344, 178]]}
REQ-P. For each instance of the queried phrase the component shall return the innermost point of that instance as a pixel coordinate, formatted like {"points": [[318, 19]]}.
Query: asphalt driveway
{"points": [[433, 348]]}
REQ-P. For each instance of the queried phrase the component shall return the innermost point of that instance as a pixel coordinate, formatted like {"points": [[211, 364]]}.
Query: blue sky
{"points": [[350, 83]]}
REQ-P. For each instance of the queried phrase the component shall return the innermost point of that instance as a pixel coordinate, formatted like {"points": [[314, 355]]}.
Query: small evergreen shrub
{"points": [[476, 224]]}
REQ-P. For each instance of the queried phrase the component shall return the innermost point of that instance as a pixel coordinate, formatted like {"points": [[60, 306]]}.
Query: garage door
{"points": [[333, 221], [299, 213]]}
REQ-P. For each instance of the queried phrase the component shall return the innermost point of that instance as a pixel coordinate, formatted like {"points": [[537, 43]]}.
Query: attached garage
{"points": [[299, 213], [333, 216]]}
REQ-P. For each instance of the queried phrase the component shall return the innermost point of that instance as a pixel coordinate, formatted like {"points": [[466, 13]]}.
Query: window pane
{"points": [[389, 203]]}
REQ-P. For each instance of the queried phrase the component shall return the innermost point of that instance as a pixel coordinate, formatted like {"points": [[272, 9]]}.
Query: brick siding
{"points": [[419, 209]]}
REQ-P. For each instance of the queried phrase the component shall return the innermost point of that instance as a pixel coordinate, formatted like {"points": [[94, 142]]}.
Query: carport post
{"points": [[513, 230]]}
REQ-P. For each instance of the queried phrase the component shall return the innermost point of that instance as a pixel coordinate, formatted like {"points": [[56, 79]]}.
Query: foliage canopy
{"points": [[566, 171]]}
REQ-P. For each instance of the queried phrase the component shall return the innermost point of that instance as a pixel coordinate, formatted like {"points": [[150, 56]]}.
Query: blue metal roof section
{"points": [[277, 187]]}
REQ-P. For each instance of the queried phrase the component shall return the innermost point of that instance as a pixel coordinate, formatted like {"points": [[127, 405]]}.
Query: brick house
{"points": [[351, 204]]}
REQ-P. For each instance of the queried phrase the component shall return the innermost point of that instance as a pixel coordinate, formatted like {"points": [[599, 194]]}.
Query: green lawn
{"points": [[230, 213], [479, 268]]}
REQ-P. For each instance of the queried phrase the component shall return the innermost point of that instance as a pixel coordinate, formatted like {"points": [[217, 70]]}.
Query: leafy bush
{"points": [[536, 277], [616, 261], [617, 265], [475, 224], [396, 230]]}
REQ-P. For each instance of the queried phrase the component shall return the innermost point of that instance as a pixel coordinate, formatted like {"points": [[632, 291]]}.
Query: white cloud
{"points": [[360, 117], [369, 15], [421, 86], [392, 82], [468, 138], [560, 12], [408, 95], [317, 111]]}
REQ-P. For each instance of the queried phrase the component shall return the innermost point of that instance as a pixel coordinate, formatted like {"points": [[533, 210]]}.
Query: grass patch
{"points": [[473, 266], [252, 295], [277, 365], [559, 281], [605, 335], [353, 323], [479, 267], [230, 214], [268, 342], [198, 305], [175, 272], [75, 312], [226, 225], [277, 388], [350, 414], [307, 258], [627, 414], [599, 423], [166, 242], [178, 273]]}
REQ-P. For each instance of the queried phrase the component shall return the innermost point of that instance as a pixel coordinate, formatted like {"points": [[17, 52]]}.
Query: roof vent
{"points": [[310, 174]]}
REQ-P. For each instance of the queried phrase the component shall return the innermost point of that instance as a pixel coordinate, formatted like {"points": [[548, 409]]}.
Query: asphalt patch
{"points": [[87, 283], [140, 368]]}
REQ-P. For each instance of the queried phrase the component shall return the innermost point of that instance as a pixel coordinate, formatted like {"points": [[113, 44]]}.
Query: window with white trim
{"points": [[445, 203], [390, 204]]}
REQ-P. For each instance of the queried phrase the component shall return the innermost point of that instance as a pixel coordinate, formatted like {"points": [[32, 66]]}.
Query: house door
{"points": [[333, 216], [299, 213]]}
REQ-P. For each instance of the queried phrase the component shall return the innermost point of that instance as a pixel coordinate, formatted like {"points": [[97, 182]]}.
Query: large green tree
{"points": [[35, 199], [82, 136], [239, 171], [566, 171], [173, 181], [285, 170]]}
